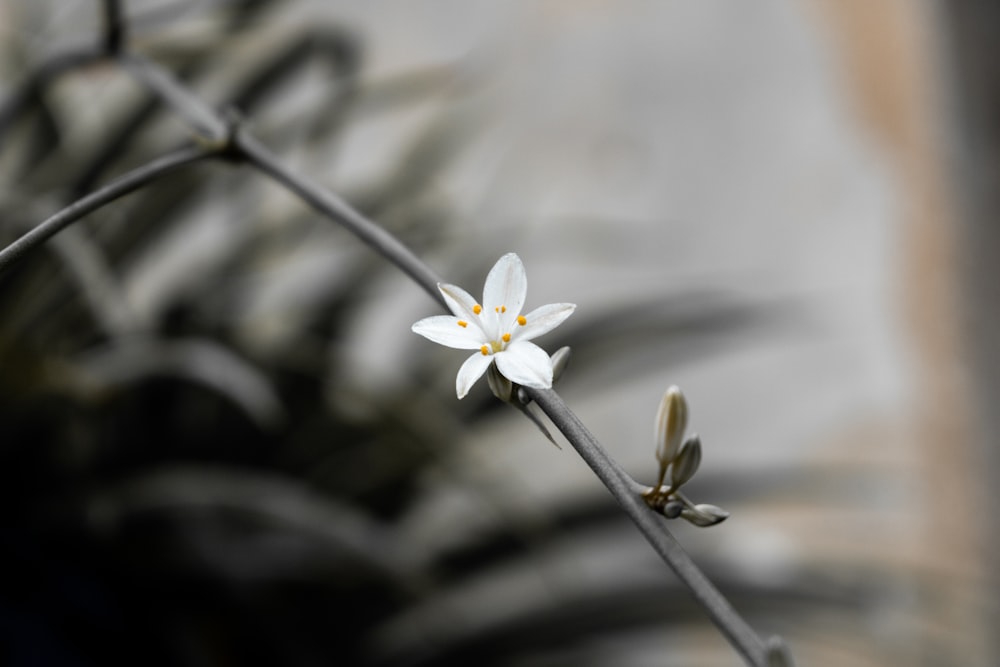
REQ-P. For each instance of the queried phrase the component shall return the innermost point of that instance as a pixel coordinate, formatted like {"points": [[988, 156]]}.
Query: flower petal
{"points": [[506, 287], [446, 330], [525, 363], [542, 320], [460, 302], [471, 370]]}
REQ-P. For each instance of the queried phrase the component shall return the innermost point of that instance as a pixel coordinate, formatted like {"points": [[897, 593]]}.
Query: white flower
{"points": [[496, 329]]}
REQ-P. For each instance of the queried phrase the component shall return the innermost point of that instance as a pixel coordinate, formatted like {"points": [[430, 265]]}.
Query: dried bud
{"points": [[704, 516], [686, 464], [560, 360], [501, 387], [671, 421]]}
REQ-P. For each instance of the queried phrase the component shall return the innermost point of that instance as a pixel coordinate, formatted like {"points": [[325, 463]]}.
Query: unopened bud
{"points": [[673, 509], [522, 396], [560, 360], [778, 654], [686, 464], [501, 387], [671, 421], [704, 516]]}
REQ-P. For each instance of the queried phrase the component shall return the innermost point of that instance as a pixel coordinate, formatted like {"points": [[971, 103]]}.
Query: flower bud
{"points": [[704, 516], [671, 421], [501, 387], [777, 652], [560, 360], [672, 509], [686, 464]]}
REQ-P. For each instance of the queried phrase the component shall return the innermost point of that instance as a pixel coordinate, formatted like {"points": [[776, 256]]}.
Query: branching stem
{"points": [[335, 208], [235, 143], [623, 488]]}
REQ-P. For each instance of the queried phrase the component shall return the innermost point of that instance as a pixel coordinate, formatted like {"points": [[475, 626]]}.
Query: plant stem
{"points": [[205, 120], [117, 188], [625, 490], [233, 142], [339, 211], [622, 487]]}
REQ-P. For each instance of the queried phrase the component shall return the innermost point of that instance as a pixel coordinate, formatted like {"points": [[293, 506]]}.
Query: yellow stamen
{"points": [[497, 309], [463, 323], [485, 350], [477, 309], [503, 309], [522, 320], [506, 338]]}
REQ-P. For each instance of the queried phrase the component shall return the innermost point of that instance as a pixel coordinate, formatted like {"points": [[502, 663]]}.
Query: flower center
{"points": [[495, 346]]}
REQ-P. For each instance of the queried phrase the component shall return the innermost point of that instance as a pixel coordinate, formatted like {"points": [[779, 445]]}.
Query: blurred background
{"points": [[220, 443]]}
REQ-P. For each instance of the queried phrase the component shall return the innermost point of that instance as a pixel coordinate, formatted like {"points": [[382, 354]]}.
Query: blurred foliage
{"points": [[179, 483]]}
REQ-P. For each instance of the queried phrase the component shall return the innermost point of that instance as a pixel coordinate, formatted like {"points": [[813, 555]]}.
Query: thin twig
{"points": [[623, 488], [200, 116], [240, 144], [334, 207], [117, 188]]}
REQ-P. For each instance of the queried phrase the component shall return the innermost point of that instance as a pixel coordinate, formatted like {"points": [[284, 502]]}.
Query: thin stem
{"points": [[236, 143], [117, 188], [214, 125], [621, 486], [625, 490], [340, 211], [191, 108]]}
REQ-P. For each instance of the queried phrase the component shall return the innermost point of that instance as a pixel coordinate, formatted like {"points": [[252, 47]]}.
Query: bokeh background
{"points": [[222, 445]]}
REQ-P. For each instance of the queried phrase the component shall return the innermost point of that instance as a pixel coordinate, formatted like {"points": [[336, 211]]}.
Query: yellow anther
{"points": [[503, 309], [463, 323], [477, 309], [485, 350], [506, 338], [522, 320], [497, 309]]}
